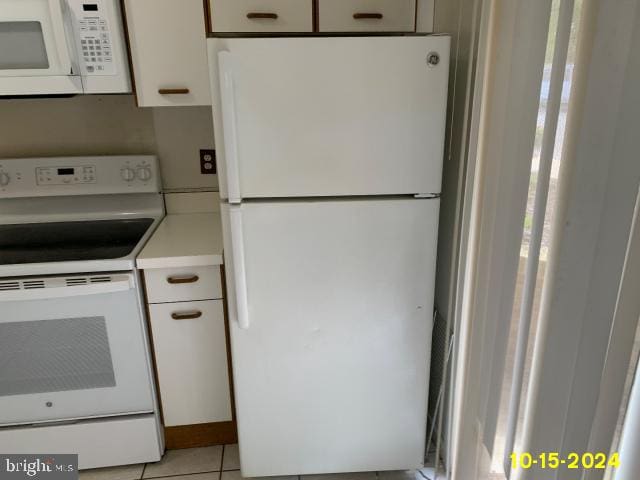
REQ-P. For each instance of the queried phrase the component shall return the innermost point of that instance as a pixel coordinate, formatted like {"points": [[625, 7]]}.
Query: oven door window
{"points": [[22, 46], [45, 356], [72, 347]]}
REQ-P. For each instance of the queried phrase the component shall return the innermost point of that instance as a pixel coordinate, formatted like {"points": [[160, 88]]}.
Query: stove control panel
{"points": [[99, 175], [66, 175]]}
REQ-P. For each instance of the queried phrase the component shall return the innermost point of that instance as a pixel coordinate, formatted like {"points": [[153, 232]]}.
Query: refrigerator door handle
{"points": [[239, 272], [229, 125]]}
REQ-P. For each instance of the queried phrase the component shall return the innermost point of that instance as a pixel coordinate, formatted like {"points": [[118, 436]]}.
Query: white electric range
{"points": [[75, 366]]}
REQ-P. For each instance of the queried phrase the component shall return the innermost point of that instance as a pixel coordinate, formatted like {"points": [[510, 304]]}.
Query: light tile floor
{"points": [[222, 463]]}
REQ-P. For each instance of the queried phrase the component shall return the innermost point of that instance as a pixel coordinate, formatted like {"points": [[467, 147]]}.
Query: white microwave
{"points": [[53, 47]]}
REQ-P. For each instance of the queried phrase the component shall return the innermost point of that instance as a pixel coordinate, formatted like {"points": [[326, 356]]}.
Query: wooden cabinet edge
{"points": [[208, 21], [127, 41], [315, 12], [200, 435]]}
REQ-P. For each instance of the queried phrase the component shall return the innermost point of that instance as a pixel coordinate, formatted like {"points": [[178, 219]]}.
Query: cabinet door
{"points": [[366, 15], [168, 52], [261, 15], [191, 358]]}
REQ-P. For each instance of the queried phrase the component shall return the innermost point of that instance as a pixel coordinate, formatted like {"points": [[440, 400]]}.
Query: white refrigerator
{"points": [[330, 161]]}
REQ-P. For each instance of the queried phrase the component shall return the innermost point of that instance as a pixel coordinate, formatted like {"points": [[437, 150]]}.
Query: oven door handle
{"points": [[66, 291]]}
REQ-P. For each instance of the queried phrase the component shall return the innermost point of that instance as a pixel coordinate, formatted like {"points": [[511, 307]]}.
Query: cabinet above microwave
{"points": [[52, 47]]}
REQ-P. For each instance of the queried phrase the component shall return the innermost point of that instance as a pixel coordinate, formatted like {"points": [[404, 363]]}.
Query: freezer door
{"points": [[331, 360], [329, 116]]}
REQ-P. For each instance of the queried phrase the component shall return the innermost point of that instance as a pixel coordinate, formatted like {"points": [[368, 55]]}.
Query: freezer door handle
{"points": [[239, 272], [229, 125]]}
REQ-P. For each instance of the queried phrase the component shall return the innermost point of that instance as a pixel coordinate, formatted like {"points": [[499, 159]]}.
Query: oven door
{"points": [[72, 347], [35, 54]]}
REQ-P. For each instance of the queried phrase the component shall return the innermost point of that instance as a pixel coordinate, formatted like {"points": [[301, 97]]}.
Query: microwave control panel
{"points": [[94, 37]]}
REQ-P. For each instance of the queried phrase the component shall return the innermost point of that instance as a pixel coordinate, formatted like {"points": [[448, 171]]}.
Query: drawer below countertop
{"points": [[183, 284]]}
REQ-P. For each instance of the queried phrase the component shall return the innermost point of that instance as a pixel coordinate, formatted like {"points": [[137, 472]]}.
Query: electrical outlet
{"points": [[208, 162]]}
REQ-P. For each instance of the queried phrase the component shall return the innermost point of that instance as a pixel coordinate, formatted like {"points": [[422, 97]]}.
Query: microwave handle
{"points": [[65, 292], [63, 34]]}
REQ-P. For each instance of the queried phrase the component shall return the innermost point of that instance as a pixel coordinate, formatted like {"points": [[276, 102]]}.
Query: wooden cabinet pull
{"points": [[186, 315], [190, 279], [367, 16], [259, 15], [173, 91]]}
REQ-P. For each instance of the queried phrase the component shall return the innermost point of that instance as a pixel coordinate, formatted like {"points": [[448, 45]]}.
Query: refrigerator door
{"points": [[331, 306], [329, 116]]}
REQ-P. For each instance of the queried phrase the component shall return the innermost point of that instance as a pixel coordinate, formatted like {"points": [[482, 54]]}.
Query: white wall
{"points": [[454, 17], [81, 125], [180, 134]]}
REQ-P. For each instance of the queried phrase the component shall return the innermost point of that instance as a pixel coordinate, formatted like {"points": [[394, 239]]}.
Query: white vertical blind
{"points": [[558, 68], [599, 181], [513, 65]]}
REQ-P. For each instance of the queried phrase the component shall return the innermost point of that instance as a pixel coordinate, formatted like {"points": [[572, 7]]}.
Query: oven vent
{"points": [[73, 281], [5, 286], [105, 279], [55, 282], [21, 285], [30, 284]]}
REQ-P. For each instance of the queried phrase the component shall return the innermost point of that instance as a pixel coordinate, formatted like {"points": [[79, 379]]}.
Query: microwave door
{"points": [[35, 54]]}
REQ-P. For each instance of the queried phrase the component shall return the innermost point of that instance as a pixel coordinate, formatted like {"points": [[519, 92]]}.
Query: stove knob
{"points": [[144, 173], [4, 179], [128, 174]]}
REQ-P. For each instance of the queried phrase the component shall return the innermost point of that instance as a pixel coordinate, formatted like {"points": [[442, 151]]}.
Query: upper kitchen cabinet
{"points": [[366, 15], [168, 52], [255, 16]]}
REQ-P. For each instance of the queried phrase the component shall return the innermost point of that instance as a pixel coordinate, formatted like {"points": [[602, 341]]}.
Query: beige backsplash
{"points": [[180, 134], [110, 125]]}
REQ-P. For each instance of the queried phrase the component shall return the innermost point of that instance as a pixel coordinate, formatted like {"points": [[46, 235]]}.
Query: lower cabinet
{"points": [[191, 360], [189, 336]]}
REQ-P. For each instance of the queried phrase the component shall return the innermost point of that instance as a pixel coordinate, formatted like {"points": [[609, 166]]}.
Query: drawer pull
{"points": [[189, 279], [367, 16], [186, 315], [259, 15], [173, 91]]}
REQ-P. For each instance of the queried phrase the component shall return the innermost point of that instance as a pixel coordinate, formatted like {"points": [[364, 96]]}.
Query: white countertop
{"points": [[184, 240]]}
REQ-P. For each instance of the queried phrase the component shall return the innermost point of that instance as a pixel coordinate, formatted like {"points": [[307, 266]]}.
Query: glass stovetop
{"points": [[69, 241]]}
